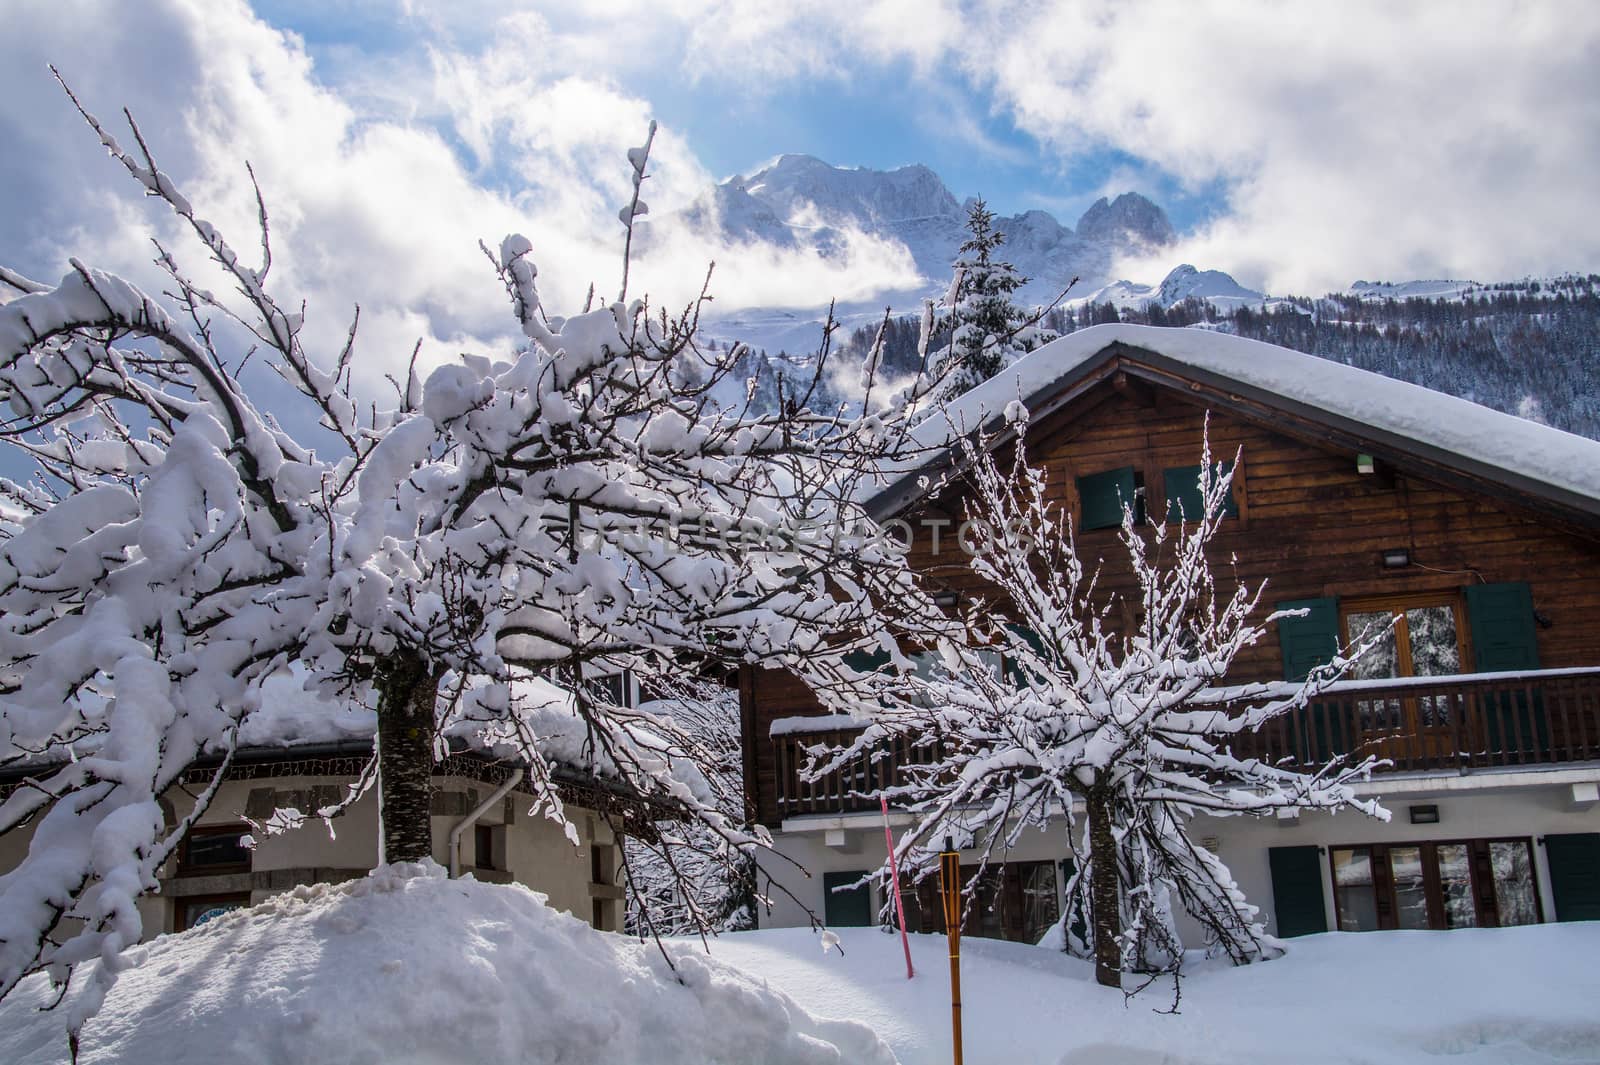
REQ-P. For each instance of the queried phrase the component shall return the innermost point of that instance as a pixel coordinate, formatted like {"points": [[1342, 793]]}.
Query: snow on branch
{"points": [[1093, 715], [577, 509]]}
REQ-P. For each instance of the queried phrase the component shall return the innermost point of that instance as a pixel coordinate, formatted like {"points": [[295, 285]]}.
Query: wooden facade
{"points": [[1314, 527]]}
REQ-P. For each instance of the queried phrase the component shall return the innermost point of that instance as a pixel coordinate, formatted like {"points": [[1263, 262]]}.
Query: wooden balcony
{"points": [[1452, 724], [845, 789]]}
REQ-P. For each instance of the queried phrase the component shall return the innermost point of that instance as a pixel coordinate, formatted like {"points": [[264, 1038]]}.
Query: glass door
{"points": [[1425, 641], [1447, 884]]}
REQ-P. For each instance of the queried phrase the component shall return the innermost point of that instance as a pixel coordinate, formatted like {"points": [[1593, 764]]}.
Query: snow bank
{"points": [[406, 966], [1513, 996]]}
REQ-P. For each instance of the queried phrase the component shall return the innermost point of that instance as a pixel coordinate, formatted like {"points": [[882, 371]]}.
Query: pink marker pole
{"points": [[894, 877]]}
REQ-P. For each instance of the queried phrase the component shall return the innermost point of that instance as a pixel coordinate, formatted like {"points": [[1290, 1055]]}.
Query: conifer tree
{"points": [[989, 330]]}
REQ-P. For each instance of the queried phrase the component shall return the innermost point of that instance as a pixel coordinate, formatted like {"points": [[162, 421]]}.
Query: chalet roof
{"points": [[1410, 427], [294, 723]]}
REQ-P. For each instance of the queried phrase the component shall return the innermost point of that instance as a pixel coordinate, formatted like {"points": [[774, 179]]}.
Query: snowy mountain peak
{"points": [[1128, 219], [801, 202], [883, 196], [1213, 285]]}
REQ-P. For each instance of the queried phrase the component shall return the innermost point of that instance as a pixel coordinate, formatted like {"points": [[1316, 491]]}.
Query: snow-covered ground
{"points": [[1515, 996], [400, 969]]}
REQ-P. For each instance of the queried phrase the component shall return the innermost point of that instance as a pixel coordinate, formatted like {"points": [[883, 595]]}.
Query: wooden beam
{"points": [[1134, 390]]}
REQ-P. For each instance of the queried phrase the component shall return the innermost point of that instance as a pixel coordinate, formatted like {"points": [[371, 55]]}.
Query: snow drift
{"points": [[406, 967], [1473, 996]]}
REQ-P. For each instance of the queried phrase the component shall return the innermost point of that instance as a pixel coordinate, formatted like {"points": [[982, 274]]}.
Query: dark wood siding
{"points": [[1309, 524]]}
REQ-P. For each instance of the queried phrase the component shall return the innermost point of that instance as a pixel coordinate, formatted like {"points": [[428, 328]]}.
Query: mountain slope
{"points": [[801, 201]]}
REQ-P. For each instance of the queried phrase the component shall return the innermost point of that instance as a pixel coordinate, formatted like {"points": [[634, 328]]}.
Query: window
{"points": [[617, 689], [1425, 640], [1173, 495], [1449, 884], [214, 850], [1018, 901], [602, 861]]}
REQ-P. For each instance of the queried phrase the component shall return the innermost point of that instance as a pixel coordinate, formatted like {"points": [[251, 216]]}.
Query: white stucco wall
{"points": [[532, 850], [1467, 810]]}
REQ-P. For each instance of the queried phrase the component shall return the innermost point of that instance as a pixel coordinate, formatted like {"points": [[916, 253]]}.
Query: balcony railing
{"points": [[1422, 724]]}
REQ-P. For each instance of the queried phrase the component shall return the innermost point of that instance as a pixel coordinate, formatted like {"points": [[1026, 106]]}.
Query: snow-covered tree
{"points": [[679, 879], [1059, 718], [988, 330], [578, 508]]}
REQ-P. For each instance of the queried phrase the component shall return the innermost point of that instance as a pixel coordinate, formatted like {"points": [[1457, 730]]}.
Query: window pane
{"points": [[1513, 882], [1410, 893], [1455, 881], [1041, 908], [983, 915], [1383, 660], [217, 848], [1435, 651], [1354, 897], [612, 688]]}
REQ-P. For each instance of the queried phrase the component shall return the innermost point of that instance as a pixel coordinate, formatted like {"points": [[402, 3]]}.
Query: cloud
{"points": [[1372, 140], [379, 203], [1378, 140], [1366, 139]]}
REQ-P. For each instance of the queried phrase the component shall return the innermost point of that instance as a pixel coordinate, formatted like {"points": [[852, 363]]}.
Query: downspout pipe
{"points": [[471, 819]]}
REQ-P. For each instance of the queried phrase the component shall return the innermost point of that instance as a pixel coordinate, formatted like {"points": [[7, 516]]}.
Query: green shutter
{"points": [[846, 909], [1102, 496], [1013, 669], [1184, 501], [867, 661], [1297, 890], [1503, 634], [1575, 874], [1504, 639], [1308, 642], [1078, 926]]}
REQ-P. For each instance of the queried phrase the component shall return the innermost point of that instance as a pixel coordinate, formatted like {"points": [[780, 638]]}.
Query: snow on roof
{"points": [[1502, 442], [292, 716]]}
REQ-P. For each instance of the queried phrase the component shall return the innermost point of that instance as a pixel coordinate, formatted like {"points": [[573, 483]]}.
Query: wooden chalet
{"points": [[1357, 498]]}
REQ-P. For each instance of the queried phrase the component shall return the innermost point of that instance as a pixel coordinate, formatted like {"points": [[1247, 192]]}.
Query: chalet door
{"points": [[1425, 641]]}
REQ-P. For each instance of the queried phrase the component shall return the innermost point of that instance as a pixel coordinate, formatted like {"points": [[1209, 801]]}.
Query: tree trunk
{"points": [[407, 689], [1103, 876]]}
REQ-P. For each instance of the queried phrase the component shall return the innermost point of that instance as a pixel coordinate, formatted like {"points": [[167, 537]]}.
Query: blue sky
{"points": [[1298, 146], [882, 116]]}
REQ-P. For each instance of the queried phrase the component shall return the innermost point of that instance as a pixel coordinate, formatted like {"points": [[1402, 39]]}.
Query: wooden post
{"points": [[950, 889]]}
